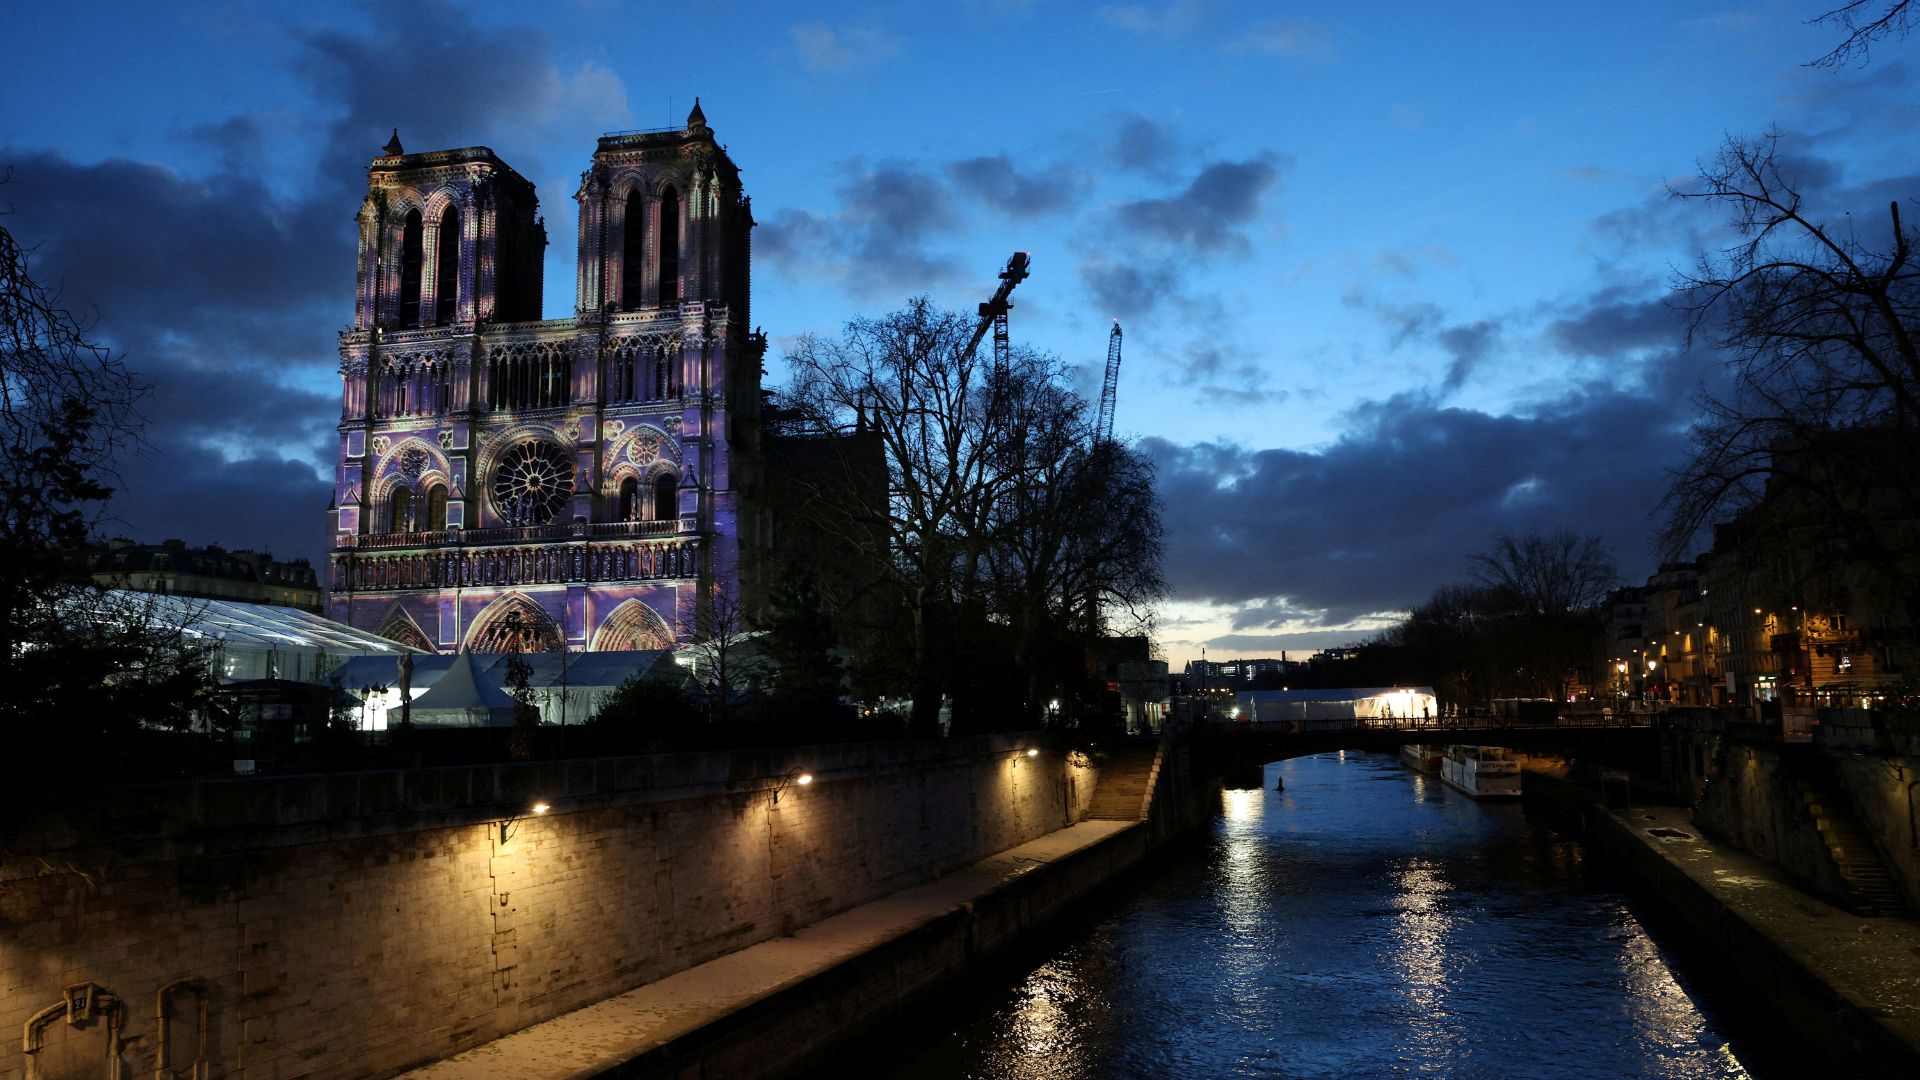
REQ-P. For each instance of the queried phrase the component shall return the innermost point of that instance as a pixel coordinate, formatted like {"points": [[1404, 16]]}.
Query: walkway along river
{"points": [[1365, 921]]}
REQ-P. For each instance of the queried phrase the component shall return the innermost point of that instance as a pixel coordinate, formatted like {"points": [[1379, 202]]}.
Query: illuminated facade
{"points": [[508, 480]]}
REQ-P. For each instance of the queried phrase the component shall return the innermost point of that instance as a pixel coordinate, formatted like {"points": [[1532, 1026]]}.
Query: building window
{"points": [[446, 282], [400, 510], [412, 253], [633, 252], [669, 247], [437, 508], [666, 501], [630, 500]]}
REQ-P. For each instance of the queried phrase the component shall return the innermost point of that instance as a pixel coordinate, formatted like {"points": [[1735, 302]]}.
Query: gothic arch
{"points": [[416, 463], [435, 202], [633, 250], [642, 452], [399, 626], [632, 626], [514, 623]]}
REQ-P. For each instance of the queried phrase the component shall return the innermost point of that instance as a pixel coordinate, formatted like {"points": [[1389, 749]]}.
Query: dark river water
{"points": [[1365, 921]]}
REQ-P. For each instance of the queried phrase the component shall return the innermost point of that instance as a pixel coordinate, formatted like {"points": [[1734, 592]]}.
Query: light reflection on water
{"points": [[1365, 921]]}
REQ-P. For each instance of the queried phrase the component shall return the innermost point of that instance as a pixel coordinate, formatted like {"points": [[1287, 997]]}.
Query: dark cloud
{"points": [[162, 255], [445, 81], [1208, 216], [1129, 288], [895, 203], [1613, 325], [1139, 144], [1466, 346], [876, 242], [1390, 511], [995, 181], [1222, 376], [216, 291]]}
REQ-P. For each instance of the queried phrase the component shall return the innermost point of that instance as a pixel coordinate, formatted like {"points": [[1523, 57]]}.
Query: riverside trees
{"points": [[987, 527], [1526, 626]]}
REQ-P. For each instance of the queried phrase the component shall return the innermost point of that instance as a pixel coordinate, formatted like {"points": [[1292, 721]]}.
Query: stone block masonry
{"points": [[356, 925]]}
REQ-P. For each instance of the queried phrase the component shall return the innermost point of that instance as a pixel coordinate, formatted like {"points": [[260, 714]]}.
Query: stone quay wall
{"points": [[359, 924]]}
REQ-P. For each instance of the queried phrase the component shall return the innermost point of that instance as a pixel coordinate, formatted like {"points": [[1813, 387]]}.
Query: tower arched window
{"points": [[633, 252], [400, 509], [446, 279], [666, 497], [437, 508], [669, 247], [630, 500], [412, 254]]}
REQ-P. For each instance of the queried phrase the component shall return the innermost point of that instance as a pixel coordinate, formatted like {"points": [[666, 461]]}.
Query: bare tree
{"points": [[1822, 335], [1076, 544], [1546, 573], [995, 520], [1864, 22], [726, 660], [908, 381]]}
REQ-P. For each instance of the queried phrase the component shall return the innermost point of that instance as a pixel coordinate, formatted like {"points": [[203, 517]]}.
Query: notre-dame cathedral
{"points": [[508, 481]]}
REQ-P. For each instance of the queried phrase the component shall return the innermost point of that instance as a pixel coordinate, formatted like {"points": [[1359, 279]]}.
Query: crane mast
{"points": [[1110, 389], [993, 312]]}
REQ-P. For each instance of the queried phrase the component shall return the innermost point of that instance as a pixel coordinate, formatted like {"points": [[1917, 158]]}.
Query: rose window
{"points": [[531, 483]]}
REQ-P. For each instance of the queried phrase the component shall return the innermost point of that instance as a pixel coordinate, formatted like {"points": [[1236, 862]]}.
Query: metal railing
{"points": [[520, 534]]}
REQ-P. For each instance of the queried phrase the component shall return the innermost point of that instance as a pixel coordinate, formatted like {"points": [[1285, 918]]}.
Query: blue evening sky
{"points": [[1390, 275]]}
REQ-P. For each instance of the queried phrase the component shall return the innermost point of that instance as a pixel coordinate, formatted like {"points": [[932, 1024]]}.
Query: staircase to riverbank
{"points": [[1869, 886], [1125, 788]]}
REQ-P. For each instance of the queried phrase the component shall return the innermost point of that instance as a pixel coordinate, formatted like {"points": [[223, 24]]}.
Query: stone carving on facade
{"points": [[414, 461], [446, 438], [644, 449], [381, 444]]}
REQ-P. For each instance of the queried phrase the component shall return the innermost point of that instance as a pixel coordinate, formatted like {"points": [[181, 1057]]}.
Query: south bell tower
{"points": [[506, 481]]}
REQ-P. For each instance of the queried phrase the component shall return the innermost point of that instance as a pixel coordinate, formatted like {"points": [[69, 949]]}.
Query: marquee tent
{"points": [[463, 697]]}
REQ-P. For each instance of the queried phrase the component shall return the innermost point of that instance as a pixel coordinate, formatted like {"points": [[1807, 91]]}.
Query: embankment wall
{"points": [[357, 924], [1811, 1011]]}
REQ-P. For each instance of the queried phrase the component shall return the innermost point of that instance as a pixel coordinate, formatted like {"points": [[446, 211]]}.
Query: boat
{"points": [[1424, 757], [1484, 772]]}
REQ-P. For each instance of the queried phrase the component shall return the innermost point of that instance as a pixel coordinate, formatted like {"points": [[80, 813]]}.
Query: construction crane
{"points": [[993, 313], [1110, 389]]}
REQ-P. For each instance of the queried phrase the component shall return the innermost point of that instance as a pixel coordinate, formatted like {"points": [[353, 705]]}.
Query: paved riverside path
{"points": [[597, 1037], [1873, 962]]}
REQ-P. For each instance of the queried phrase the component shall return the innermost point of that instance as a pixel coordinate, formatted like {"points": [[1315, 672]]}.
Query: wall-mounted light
{"points": [[790, 777], [540, 806], [1033, 753]]}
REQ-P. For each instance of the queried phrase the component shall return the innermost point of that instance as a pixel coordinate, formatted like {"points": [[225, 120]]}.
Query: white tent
{"points": [[1383, 703], [567, 687], [463, 698]]}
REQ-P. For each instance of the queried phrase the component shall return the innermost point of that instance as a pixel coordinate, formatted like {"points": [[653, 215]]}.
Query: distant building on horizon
{"points": [[209, 573], [507, 482]]}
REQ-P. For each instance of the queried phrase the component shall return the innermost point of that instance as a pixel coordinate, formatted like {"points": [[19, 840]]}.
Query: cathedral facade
{"points": [[507, 481]]}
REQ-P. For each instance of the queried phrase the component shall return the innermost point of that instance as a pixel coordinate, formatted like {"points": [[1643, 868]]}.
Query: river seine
{"points": [[1365, 921]]}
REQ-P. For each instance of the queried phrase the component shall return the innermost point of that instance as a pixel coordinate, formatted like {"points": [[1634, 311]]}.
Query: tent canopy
{"points": [[464, 698]]}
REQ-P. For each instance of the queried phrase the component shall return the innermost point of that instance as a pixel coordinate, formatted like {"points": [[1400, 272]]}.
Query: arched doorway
{"points": [[514, 623]]}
